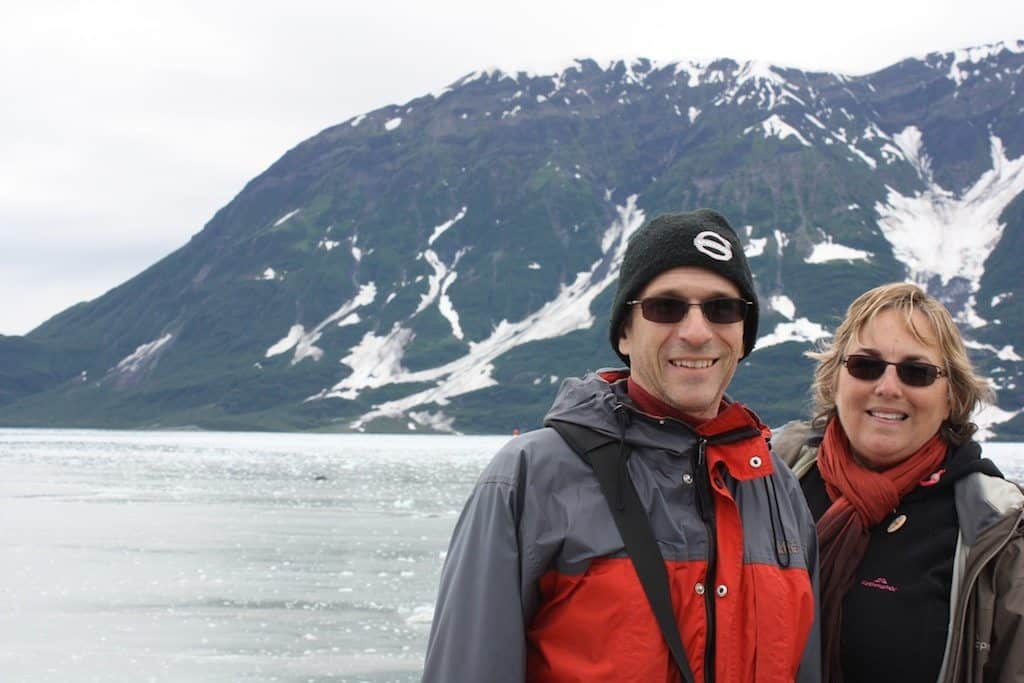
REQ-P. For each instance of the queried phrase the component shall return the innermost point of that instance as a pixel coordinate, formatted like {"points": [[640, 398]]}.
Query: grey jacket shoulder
{"points": [[790, 444], [982, 501]]}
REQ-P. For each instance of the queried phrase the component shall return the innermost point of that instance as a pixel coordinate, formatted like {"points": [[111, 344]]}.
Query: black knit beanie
{"points": [[702, 238]]}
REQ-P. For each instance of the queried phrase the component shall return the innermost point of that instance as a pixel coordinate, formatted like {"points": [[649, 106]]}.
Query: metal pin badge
{"points": [[897, 524]]}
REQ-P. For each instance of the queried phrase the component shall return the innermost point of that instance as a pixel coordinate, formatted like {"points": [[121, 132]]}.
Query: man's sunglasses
{"points": [[663, 309], [911, 372]]}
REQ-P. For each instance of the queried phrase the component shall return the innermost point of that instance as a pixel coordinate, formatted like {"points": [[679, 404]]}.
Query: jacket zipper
{"points": [[707, 513]]}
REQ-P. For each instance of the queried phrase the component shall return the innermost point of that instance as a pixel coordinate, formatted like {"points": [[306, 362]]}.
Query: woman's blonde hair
{"points": [[966, 389]]}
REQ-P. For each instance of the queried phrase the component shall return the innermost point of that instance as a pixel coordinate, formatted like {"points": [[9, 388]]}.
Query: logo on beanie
{"points": [[713, 245]]}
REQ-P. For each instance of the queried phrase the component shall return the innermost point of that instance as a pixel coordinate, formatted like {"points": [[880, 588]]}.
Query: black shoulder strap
{"points": [[603, 453]]}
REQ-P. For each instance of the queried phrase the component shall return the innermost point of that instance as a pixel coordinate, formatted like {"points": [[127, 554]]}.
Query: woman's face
{"points": [[885, 419]]}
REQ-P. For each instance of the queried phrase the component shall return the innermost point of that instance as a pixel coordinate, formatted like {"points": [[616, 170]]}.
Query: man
{"points": [[537, 584]]}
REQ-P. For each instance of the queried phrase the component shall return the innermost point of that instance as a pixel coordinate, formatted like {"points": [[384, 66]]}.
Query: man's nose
{"points": [[694, 328]]}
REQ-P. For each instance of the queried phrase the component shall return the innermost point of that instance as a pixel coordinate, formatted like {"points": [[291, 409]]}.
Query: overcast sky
{"points": [[125, 125]]}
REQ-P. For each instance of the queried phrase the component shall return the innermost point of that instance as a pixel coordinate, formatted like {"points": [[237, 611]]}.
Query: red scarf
{"points": [[861, 498]]}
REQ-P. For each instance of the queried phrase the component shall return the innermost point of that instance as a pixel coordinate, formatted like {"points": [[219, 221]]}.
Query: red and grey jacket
{"points": [[537, 586]]}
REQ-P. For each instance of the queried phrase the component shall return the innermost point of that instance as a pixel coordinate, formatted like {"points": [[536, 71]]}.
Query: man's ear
{"points": [[624, 339]]}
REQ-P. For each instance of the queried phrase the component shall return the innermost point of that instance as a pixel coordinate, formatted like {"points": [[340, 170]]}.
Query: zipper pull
{"points": [[702, 477]]}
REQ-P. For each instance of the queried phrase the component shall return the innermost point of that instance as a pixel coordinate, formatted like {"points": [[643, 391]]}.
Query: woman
{"points": [[921, 540]]}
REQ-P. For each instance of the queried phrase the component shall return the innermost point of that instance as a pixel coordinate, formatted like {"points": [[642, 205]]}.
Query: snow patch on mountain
{"points": [[694, 71], [783, 305], [774, 126], [815, 121], [759, 79], [304, 342], [1005, 353], [142, 356], [443, 227], [285, 217], [375, 362], [928, 231], [755, 246], [781, 240], [391, 124], [826, 251], [989, 416], [567, 312], [870, 161], [801, 330], [436, 421], [437, 288], [960, 66], [295, 333], [1000, 298]]}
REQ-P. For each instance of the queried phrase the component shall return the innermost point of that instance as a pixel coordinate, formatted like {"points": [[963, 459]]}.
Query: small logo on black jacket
{"points": [[879, 584]]}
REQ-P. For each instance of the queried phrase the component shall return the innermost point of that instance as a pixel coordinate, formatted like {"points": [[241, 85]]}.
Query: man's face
{"points": [[687, 364]]}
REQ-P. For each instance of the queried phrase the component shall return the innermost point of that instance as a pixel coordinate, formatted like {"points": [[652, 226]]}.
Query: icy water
{"points": [[159, 556], [193, 556]]}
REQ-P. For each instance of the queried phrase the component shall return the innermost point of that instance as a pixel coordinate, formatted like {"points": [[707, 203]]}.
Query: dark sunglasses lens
{"points": [[863, 367], [910, 373], [916, 374], [663, 310], [723, 311]]}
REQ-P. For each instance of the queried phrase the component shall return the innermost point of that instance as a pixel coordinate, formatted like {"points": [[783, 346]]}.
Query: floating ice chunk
{"points": [[421, 614]]}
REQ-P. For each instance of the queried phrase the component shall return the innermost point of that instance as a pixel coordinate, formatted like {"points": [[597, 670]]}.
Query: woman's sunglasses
{"points": [[911, 372], [663, 309]]}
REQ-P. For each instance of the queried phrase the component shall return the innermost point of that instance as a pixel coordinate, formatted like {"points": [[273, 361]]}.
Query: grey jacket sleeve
{"points": [[810, 662], [1006, 663], [478, 632]]}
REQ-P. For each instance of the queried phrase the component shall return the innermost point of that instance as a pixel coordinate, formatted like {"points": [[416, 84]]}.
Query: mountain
{"points": [[441, 265]]}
